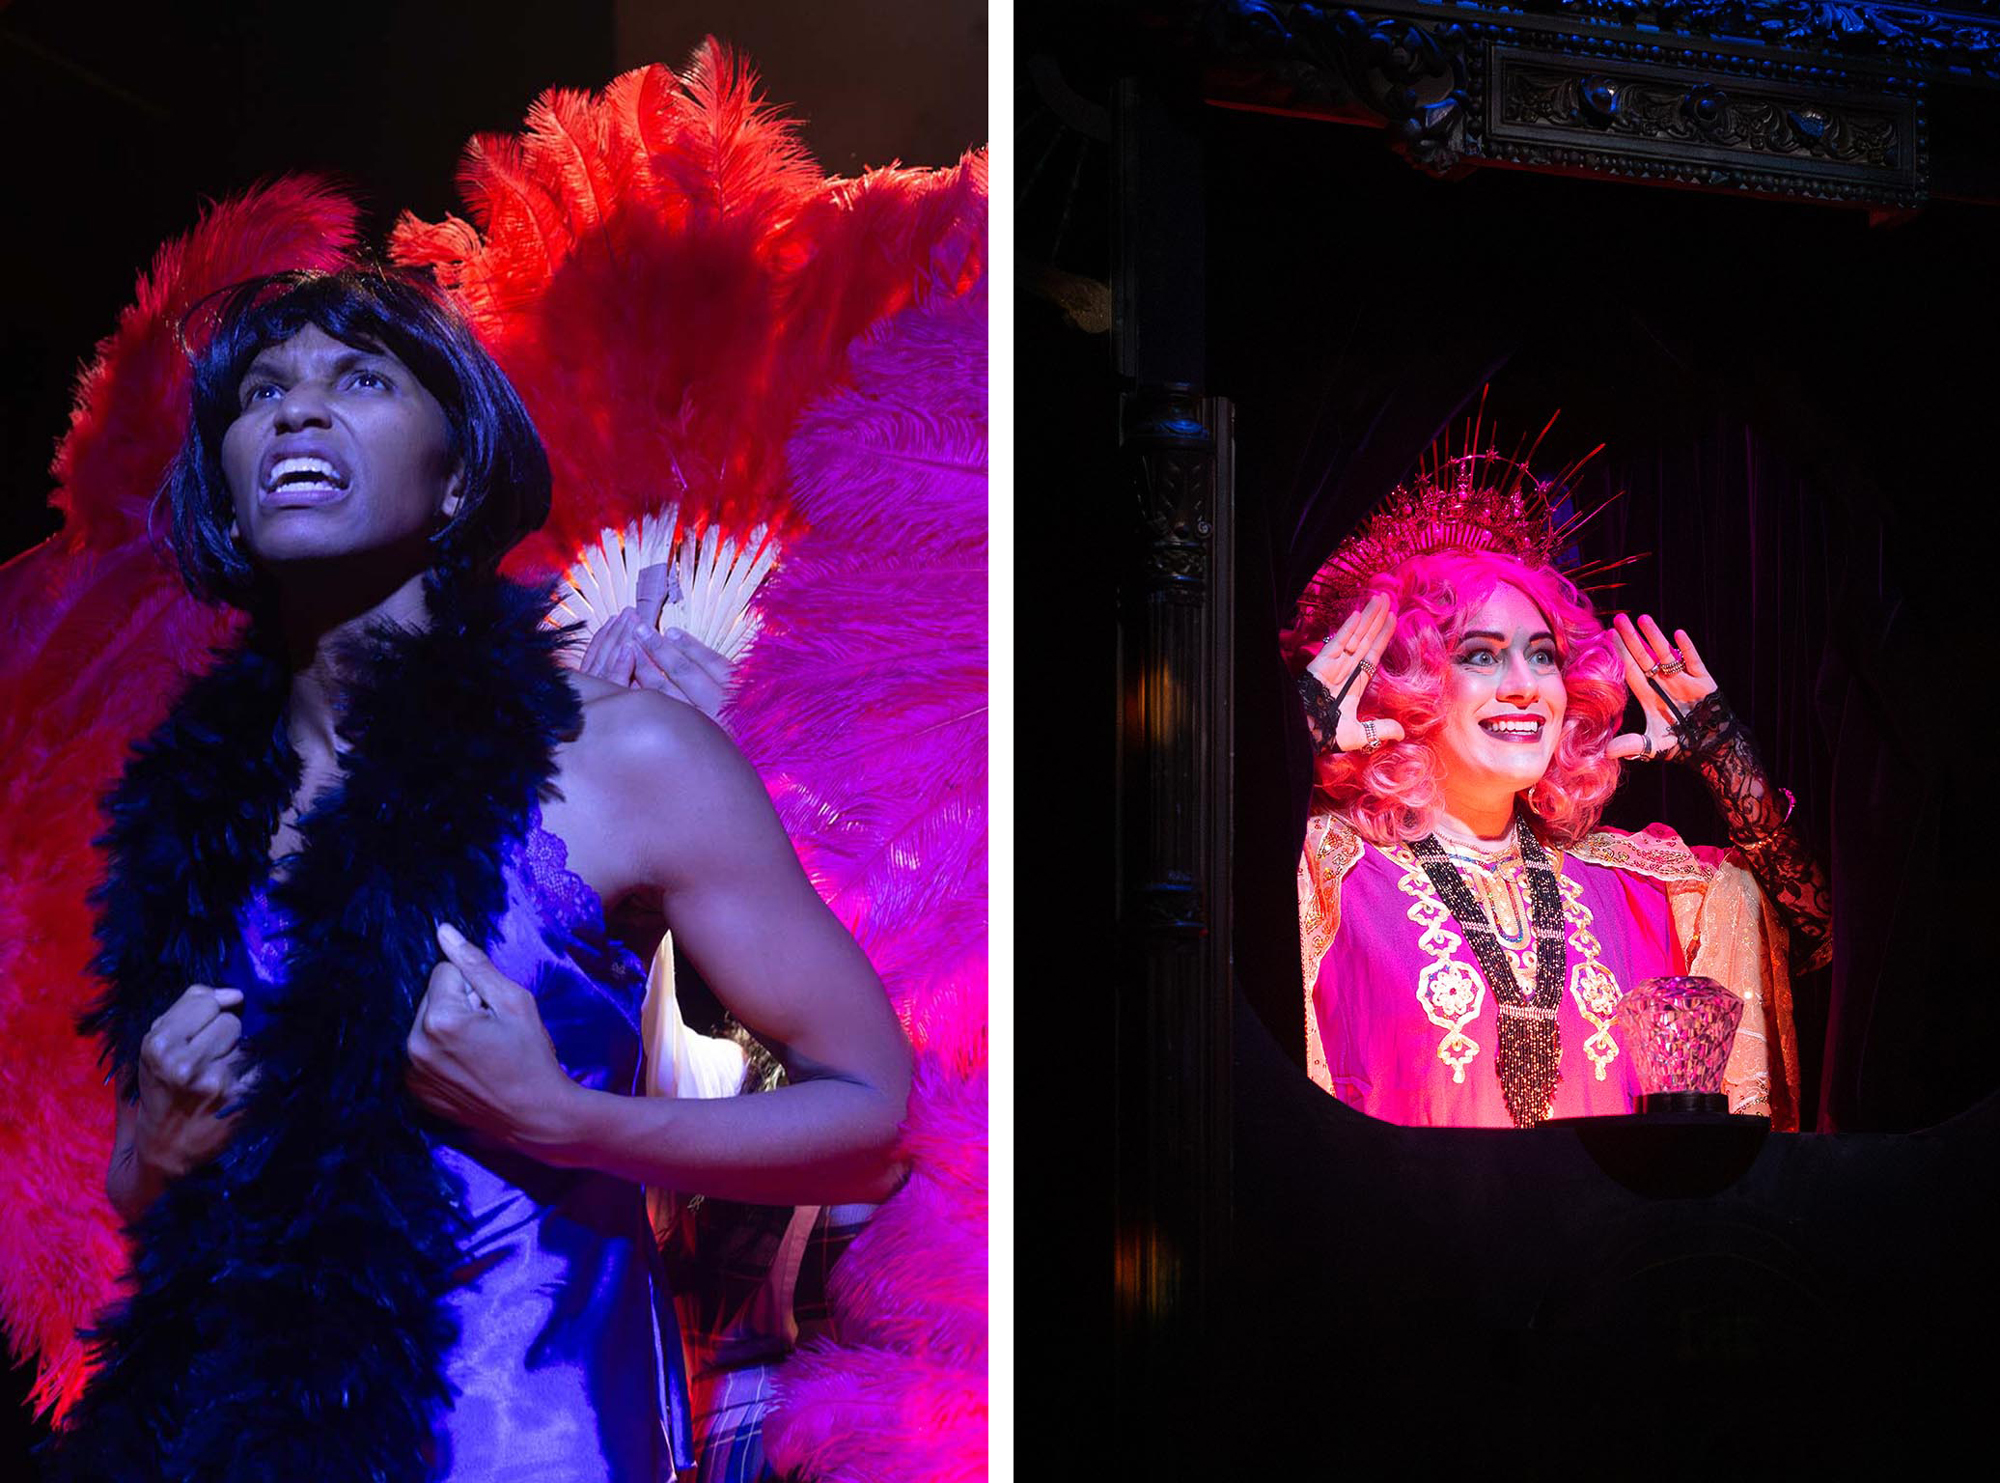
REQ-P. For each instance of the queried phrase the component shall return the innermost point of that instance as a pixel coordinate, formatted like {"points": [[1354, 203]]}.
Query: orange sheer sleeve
{"points": [[1731, 932]]}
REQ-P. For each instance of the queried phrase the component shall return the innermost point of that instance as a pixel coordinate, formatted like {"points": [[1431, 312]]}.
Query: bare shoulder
{"points": [[623, 726], [628, 731], [591, 689], [642, 771], [578, 756]]}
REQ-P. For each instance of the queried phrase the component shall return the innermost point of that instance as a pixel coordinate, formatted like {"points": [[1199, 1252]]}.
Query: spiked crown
{"points": [[1472, 501]]}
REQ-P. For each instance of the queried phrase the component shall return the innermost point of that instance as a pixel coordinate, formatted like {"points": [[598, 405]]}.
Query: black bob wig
{"points": [[505, 490]]}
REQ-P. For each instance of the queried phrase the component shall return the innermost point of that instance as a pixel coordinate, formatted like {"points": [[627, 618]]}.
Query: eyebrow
{"points": [[1501, 638], [267, 361]]}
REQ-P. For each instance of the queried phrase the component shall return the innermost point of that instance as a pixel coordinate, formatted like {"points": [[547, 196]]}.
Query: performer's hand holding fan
{"points": [[658, 590]]}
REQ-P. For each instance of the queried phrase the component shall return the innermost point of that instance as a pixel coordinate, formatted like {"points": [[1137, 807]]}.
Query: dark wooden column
{"points": [[1173, 1051]]}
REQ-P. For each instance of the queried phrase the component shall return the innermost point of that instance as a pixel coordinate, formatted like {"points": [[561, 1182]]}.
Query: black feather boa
{"points": [[286, 1316]]}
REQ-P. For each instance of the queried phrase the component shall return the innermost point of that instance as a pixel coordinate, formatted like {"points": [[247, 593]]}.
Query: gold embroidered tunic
{"points": [[1400, 1022]]}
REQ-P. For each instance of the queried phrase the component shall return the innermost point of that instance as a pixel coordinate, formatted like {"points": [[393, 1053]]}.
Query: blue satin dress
{"points": [[569, 1366]]}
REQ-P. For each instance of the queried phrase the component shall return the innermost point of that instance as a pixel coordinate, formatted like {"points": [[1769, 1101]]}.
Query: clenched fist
{"points": [[190, 1074], [481, 1057]]}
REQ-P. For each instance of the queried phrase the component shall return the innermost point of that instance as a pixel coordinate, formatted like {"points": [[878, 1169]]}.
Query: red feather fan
{"points": [[668, 279]]}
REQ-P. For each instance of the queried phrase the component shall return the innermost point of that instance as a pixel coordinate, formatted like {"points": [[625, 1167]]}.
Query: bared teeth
{"points": [[295, 473]]}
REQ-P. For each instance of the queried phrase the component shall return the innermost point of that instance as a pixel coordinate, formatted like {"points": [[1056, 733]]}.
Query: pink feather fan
{"points": [[864, 708]]}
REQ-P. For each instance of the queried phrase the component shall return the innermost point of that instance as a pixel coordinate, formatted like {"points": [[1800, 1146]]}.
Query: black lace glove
{"points": [[1714, 742], [1322, 713], [1342, 669]]}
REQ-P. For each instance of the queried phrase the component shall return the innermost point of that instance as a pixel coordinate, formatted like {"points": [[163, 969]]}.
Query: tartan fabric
{"points": [[832, 1234], [729, 1433], [721, 1258]]}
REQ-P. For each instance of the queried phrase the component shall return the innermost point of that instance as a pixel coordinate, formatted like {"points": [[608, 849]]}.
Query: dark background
{"points": [[122, 119]]}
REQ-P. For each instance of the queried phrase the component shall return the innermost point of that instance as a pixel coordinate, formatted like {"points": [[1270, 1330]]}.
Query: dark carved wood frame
{"points": [[1813, 101], [1173, 1009], [1176, 790]]}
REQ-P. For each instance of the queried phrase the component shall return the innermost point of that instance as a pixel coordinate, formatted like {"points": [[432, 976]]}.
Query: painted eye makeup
{"points": [[1479, 658]]}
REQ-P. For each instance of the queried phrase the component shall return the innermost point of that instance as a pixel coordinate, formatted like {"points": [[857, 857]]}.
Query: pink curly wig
{"points": [[1396, 794]]}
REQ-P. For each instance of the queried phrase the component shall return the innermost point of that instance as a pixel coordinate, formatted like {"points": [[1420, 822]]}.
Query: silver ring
{"points": [[1651, 672], [1374, 741], [1366, 665], [1675, 667], [1647, 754]]}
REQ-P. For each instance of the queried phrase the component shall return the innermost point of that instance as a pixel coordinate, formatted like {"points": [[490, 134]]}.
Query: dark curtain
{"points": [[1785, 454]]}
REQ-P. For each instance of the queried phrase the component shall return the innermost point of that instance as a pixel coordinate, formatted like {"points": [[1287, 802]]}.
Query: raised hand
{"points": [[613, 652], [677, 663], [1677, 669], [1358, 642], [629, 651], [480, 1056]]}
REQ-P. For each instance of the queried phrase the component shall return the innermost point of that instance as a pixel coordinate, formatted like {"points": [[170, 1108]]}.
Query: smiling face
{"points": [[1503, 701], [336, 450]]}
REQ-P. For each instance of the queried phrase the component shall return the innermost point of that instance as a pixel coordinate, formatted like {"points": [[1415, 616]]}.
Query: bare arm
{"points": [[703, 834], [131, 1185]]}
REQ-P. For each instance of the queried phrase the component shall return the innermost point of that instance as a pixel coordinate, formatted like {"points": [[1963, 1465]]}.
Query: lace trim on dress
{"points": [[570, 904], [565, 902], [571, 899]]}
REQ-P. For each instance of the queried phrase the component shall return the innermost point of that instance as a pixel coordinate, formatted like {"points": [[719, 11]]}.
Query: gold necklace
{"points": [[1497, 885], [1497, 877]]}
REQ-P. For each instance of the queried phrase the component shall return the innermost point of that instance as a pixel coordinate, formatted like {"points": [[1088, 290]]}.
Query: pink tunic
{"points": [[1406, 1020]]}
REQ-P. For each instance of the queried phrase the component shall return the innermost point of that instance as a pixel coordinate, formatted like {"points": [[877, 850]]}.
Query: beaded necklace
{"points": [[1528, 1057], [1499, 884]]}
